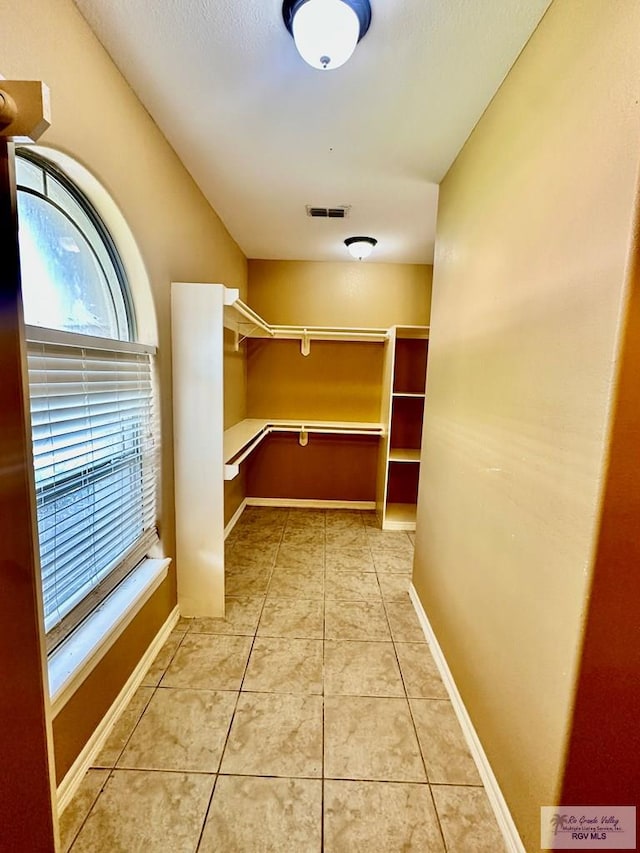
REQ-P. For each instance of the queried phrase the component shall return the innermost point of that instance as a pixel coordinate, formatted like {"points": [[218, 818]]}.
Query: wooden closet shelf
{"points": [[242, 439]]}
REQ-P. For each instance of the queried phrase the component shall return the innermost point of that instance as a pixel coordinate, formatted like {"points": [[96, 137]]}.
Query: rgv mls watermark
{"points": [[588, 827]]}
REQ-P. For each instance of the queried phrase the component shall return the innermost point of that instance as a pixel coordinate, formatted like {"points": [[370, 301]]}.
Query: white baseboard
{"points": [[235, 518], [310, 504], [74, 776], [507, 826]]}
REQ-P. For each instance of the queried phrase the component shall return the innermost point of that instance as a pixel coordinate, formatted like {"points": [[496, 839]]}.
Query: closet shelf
{"points": [[244, 322], [417, 394], [397, 454], [242, 439], [400, 516]]}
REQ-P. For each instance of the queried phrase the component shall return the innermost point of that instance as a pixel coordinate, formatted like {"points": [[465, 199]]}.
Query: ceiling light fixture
{"points": [[360, 247], [326, 32]]}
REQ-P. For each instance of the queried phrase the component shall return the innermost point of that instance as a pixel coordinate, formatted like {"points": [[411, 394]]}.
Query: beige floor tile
{"points": [[346, 537], [125, 724], [254, 535], [300, 556], [361, 669], [337, 519], [467, 820], [182, 625], [209, 662], [404, 623], [303, 536], [284, 816], [162, 660], [390, 540], [73, 816], [305, 518], [246, 582], [445, 750], [352, 586], [268, 516], [293, 617], [181, 730], [355, 559], [419, 672], [371, 739], [296, 583], [241, 617], [394, 587], [280, 665], [275, 735], [247, 555], [370, 519], [380, 817], [356, 620], [392, 562], [147, 811]]}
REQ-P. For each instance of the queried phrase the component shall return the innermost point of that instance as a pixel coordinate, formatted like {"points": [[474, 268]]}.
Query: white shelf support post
{"points": [[303, 437], [197, 331]]}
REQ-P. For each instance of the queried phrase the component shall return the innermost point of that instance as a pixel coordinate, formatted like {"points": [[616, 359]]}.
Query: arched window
{"points": [[91, 394]]}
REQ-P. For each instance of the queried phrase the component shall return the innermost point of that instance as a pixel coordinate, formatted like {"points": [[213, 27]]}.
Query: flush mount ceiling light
{"points": [[326, 32], [360, 247]]}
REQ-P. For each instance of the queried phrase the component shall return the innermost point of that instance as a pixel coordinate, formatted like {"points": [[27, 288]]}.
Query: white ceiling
{"points": [[263, 134]]}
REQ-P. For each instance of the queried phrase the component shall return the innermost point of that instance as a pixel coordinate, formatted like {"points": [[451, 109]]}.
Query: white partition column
{"points": [[198, 399]]}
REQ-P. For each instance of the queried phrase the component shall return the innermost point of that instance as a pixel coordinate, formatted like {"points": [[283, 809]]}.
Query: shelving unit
{"points": [[403, 410], [205, 454]]}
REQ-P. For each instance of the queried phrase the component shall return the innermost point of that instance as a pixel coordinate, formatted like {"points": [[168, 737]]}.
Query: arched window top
{"points": [[72, 277]]}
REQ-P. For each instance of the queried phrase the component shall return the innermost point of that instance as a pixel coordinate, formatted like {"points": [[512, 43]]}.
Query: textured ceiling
{"points": [[263, 134]]}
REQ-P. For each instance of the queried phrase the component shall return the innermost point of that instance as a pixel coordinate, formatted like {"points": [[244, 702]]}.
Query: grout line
{"points": [[109, 772], [206, 812]]}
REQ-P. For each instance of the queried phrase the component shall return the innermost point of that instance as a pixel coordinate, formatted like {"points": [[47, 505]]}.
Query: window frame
{"points": [[49, 167], [146, 543]]}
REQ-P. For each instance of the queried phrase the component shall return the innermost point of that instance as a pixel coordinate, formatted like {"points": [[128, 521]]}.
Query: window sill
{"points": [[75, 658]]}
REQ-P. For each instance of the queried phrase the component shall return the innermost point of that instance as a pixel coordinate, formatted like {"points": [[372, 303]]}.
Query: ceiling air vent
{"points": [[328, 212]]}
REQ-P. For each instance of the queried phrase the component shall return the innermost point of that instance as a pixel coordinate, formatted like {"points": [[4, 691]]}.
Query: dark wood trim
{"points": [[26, 810]]}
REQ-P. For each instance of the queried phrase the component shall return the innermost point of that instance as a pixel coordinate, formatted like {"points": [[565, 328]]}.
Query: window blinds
{"points": [[95, 459]]}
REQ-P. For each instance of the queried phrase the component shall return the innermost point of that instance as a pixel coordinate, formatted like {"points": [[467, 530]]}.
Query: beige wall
{"points": [[98, 121], [352, 293], [336, 381], [533, 228]]}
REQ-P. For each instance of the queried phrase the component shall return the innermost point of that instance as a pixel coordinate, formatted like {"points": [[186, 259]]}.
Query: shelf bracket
{"points": [[303, 438], [236, 340], [305, 343]]}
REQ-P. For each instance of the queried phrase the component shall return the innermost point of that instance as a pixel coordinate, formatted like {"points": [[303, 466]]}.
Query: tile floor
{"points": [[311, 718]]}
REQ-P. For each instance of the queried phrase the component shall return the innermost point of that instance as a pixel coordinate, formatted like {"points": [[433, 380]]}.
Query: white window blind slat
{"points": [[95, 457]]}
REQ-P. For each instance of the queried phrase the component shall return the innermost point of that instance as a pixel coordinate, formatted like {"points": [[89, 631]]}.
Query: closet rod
{"points": [[327, 332]]}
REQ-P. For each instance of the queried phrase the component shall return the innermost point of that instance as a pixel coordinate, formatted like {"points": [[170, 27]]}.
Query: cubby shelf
{"points": [[397, 454], [404, 391], [401, 516]]}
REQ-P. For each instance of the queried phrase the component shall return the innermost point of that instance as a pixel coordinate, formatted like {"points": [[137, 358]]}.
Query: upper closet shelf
{"points": [[244, 322], [242, 439]]}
